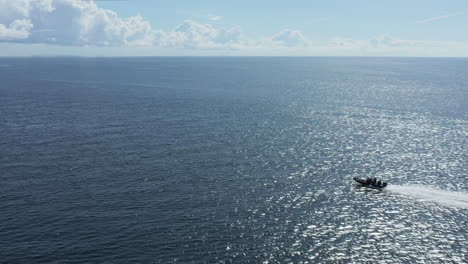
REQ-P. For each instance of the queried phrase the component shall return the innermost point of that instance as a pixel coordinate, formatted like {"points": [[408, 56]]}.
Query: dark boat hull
{"points": [[364, 183]]}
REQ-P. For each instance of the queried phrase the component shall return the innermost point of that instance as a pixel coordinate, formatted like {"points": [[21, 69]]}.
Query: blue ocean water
{"points": [[233, 160]]}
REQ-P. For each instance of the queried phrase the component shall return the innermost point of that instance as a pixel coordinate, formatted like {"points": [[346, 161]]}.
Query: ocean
{"points": [[233, 160]]}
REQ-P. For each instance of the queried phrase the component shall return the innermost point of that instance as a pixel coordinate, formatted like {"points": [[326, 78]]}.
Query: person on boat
{"points": [[368, 181], [379, 183], [374, 180]]}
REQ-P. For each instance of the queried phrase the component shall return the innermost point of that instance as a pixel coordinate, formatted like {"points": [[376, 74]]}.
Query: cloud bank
{"points": [[79, 23], [69, 22], [83, 23], [192, 34]]}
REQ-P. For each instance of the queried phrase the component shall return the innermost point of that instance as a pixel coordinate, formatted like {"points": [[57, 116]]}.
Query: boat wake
{"points": [[422, 193]]}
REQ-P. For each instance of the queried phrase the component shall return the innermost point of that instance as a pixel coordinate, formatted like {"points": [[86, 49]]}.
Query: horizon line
{"points": [[228, 56]]}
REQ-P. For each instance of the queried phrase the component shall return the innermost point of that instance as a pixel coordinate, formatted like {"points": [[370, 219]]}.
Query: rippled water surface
{"points": [[233, 160]]}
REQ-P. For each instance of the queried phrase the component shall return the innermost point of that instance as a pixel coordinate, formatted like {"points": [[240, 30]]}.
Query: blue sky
{"points": [[208, 27], [319, 19]]}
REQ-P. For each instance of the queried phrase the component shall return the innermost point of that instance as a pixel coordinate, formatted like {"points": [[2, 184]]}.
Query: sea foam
{"points": [[429, 194]]}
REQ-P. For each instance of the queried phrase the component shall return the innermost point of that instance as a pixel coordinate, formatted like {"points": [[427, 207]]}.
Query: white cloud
{"points": [[192, 34], [83, 23], [17, 30], [70, 22], [388, 45], [382, 42], [290, 38]]}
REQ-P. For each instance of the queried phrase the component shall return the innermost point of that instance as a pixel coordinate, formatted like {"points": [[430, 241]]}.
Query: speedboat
{"points": [[371, 183]]}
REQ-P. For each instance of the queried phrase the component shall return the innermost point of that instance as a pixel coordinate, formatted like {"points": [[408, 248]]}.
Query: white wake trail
{"points": [[422, 193]]}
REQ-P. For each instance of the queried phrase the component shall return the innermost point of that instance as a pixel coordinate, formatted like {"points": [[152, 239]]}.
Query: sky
{"points": [[234, 28]]}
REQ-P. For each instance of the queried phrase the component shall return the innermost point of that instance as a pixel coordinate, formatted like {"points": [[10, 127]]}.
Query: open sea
{"points": [[233, 160]]}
